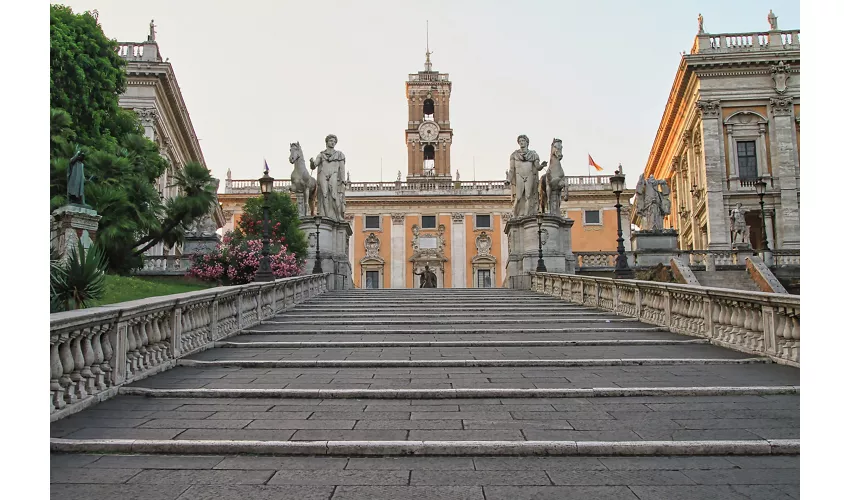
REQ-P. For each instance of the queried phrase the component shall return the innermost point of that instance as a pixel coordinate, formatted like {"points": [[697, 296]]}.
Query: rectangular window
{"points": [[373, 222], [429, 222], [592, 217], [482, 221], [372, 279], [747, 166], [484, 279]]}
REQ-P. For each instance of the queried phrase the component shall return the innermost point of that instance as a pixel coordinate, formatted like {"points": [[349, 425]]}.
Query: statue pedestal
{"points": [[70, 224], [334, 239], [523, 248], [742, 251], [655, 247]]}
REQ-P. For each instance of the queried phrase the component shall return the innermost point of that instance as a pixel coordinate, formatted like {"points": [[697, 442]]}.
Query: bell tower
{"points": [[429, 133]]}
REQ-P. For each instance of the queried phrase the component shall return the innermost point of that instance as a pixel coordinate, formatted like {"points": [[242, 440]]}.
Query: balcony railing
{"points": [[762, 324], [709, 258]]}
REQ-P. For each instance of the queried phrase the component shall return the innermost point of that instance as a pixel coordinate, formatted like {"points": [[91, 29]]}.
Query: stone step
{"points": [[480, 343], [450, 336], [447, 330], [449, 314], [445, 363], [283, 320]]}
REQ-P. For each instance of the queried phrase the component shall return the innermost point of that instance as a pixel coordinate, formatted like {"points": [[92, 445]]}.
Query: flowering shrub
{"points": [[235, 261]]}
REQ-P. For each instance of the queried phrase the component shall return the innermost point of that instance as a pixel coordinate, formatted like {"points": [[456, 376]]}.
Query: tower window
{"points": [[428, 164], [747, 165], [428, 110]]}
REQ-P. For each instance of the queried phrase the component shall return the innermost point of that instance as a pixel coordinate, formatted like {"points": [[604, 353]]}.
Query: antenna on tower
{"points": [[427, 49]]}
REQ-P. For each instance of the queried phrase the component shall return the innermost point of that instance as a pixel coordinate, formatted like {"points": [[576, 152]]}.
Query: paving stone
{"points": [[302, 424], [717, 492], [115, 491], [411, 463], [559, 493], [568, 435], [280, 463], [350, 435], [669, 463], [777, 462], [618, 477], [538, 463], [238, 434], [256, 492], [466, 435], [106, 433], [361, 415], [341, 477], [156, 462], [259, 415], [408, 493], [69, 460], [745, 476], [409, 424], [514, 424], [187, 476], [90, 474], [479, 478], [194, 424]]}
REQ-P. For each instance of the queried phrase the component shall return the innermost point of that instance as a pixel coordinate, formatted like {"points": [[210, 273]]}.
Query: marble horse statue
{"points": [[553, 184], [302, 182]]}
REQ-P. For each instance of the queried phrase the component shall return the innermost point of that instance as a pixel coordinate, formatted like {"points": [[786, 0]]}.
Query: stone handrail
{"points": [[764, 324], [161, 264], [786, 257], [95, 351], [252, 186]]}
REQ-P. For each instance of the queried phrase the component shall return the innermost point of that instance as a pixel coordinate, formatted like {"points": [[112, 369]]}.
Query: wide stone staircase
{"points": [[446, 393], [737, 279]]}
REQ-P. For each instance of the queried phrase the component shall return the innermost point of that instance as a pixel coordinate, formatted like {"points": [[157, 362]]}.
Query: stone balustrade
{"points": [[95, 351], [164, 265], [786, 257], [714, 43], [764, 324]]}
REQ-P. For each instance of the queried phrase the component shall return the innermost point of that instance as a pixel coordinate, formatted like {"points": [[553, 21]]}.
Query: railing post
{"points": [[709, 317], [239, 323], [615, 297], [769, 321], [118, 338], [214, 319], [668, 308], [176, 332], [638, 298]]}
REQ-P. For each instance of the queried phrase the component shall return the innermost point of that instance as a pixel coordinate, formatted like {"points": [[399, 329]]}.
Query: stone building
{"points": [[153, 93], [733, 117], [456, 227]]}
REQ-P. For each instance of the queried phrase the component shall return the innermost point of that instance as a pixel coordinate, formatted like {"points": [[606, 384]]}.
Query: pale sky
{"points": [[258, 75]]}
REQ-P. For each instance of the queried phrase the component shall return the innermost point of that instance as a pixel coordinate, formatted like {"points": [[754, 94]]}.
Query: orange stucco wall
{"points": [[594, 238]]}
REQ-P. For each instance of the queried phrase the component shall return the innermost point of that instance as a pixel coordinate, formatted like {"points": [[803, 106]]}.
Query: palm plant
{"points": [[79, 281]]}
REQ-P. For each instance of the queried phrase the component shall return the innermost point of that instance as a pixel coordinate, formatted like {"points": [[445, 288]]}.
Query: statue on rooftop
{"points": [[699, 20], [773, 20], [152, 35], [525, 164]]}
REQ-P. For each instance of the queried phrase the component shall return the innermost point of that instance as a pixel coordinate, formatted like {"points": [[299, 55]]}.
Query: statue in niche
{"points": [[740, 229], [553, 184], [652, 205], [330, 178], [76, 188], [428, 278], [525, 164]]}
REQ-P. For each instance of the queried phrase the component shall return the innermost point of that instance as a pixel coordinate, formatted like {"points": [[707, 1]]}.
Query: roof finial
{"points": [[427, 49]]}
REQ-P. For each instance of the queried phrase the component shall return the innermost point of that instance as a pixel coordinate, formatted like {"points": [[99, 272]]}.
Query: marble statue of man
{"points": [[525, 164], [739, 225], [652, 204], [330, 177], [76, 179], [772, 20]]}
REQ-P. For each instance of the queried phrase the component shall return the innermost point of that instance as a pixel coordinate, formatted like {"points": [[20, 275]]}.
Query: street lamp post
{"points": [[264, 273], [621, 270], [761, 187], [317, 267], [541, 266]]}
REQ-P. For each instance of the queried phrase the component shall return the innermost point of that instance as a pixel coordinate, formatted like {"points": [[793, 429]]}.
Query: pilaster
{"points": [[458, 262], [782, 109], [397, 251], [715, 175]]}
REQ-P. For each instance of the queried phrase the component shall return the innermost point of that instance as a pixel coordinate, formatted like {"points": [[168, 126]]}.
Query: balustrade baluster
{"points": [[97, 350], [88, 361], [67, 359], [108, 352], [132, 349], [79, 364], [57, 401]]}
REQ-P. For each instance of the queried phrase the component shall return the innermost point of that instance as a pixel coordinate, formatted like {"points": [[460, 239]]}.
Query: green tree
{"points": [[283, 222], [87, 77]]}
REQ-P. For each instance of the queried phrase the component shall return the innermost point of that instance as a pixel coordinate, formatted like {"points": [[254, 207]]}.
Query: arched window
{"points": [[428, 153], [428, 110]]}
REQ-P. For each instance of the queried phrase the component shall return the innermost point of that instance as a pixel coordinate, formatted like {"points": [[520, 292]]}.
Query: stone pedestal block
{"points": [[334, 238], [70, 224], [655, 247], [523, 248]]}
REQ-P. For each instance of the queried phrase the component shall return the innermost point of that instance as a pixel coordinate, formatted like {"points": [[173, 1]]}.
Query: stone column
{"points": [[397, 260], [458, 262], [715, 175], [782, 109]]}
